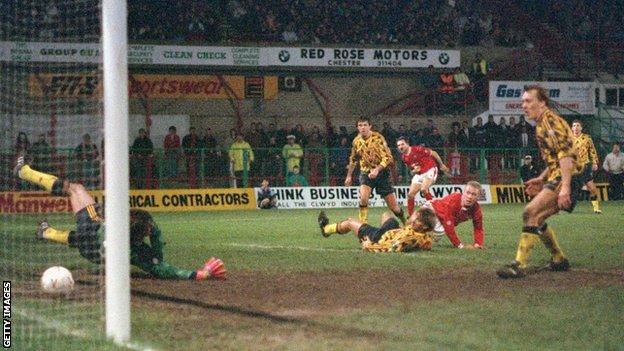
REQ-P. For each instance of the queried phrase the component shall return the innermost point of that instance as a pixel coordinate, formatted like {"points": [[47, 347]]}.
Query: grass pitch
{"points": [[289, 288]]}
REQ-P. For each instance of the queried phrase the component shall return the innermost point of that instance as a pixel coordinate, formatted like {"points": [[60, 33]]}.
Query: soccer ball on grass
{"points": [[57, 280]]}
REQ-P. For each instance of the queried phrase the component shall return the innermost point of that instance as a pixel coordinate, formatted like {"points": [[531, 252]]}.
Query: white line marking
{"points": [[72, 331], [281, 247]]}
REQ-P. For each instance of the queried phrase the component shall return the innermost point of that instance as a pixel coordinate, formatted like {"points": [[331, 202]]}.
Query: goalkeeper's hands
{"points": [[214, 268]]}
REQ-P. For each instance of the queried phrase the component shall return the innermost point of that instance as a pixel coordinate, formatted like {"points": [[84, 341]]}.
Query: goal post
{"points": [[117, 246]]}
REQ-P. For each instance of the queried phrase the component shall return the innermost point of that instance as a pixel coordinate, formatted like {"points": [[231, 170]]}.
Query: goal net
{"points": [[50, 108]]}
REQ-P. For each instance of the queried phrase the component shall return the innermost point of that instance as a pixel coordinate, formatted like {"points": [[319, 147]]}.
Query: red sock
{"points": [[410, 206], [428, 196]]}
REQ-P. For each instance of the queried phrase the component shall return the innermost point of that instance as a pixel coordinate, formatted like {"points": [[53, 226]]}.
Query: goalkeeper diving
{"points": [[389, 236], [146, 245]]}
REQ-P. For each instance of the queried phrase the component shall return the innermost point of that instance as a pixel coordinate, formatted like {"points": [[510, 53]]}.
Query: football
{"points": [[57, 280]]}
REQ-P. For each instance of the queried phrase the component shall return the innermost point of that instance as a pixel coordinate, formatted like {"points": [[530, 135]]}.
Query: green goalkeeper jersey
{"points": [[149, 257]]}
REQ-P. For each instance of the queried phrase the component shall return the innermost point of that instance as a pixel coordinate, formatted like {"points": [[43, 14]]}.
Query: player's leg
{"points": [[411, 196], [341, 227], [427, 182], [49, 182], [593, 196], [365, 192], [543, 205], [393, 205]]}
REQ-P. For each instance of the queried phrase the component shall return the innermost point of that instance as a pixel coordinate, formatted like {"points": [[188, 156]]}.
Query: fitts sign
{"points": [[319, 57], [153, 86]]}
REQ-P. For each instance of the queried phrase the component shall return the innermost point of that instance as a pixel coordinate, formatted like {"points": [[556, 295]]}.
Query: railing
{"points": [[211, 168]]}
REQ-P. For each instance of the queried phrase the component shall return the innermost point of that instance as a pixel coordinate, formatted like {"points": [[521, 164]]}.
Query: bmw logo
{"points": [[444, 58], [284, 56]]}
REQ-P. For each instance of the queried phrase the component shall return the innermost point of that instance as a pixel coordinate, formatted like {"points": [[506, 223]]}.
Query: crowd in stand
{"points": [[433, 23]]}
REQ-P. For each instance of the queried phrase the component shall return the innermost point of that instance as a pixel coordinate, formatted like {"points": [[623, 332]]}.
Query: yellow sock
{"points": [[550, 241], [330, 228], [36, 177], [58, 236], [527, 241], [595, 205], [363, 214]]}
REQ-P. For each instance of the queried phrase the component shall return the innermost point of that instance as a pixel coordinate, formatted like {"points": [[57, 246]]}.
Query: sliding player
{"points": [[389, 237], [89, 233]]}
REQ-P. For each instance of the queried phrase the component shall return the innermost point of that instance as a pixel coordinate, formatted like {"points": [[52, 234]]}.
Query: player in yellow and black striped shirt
{"points": [[371, 151], [553, 190], [587, 155]]}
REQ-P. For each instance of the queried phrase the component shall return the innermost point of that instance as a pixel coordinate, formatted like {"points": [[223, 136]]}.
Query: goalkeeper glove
{"points": [[213, 268]]}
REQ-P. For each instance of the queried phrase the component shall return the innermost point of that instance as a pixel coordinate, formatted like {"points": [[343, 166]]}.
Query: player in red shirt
{"points": [[456, 208], [422, 164]]}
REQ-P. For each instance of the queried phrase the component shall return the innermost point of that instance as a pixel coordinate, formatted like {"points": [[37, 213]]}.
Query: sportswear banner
{"points": [[569, 97], [305, 57], [67, 85], [340, 196]]}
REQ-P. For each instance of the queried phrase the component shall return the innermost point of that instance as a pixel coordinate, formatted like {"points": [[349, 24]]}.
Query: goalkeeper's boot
{"points": [[512, 270], [562, 266], [18, 165], [323, 221], [598, 211], [43, 225]]}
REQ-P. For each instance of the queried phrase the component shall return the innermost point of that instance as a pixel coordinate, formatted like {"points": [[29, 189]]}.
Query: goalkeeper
{"points": [[146, 245], [389, 237]]}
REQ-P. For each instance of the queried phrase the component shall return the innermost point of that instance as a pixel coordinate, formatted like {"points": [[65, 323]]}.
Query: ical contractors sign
{"points": [[339, 196], [171, 200], [578, 97], [305, 57]]}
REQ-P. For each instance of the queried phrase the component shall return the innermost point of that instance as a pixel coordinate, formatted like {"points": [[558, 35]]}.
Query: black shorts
{"points": [[587, 175], [576, 184], [85, 238], [381, 184], [374, 233]]}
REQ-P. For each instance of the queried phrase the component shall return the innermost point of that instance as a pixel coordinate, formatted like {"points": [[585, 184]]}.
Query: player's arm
{"points": [[593, 153], [562, 141], [156, 242], [566, 166], [353, 158], [438, 159], [477, 223], [449, 230], [385, 155]]}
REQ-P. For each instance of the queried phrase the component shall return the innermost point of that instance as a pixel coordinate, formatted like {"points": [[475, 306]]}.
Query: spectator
{"points": [[87, 155], [212, 154], [467, 134], [492, 132], [403, 132], [272, 164], [172, 151], [389, 133], [528, 170], [462, 82], [435, 140], [292, 153], [42, 155], [141, 152], [295, 178], [512, 135], [428, 129], [241, 158], [479, 137], [614, 165], [267, 198], [191, 145], [339, 158], [456, 139], [447, 85]]}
